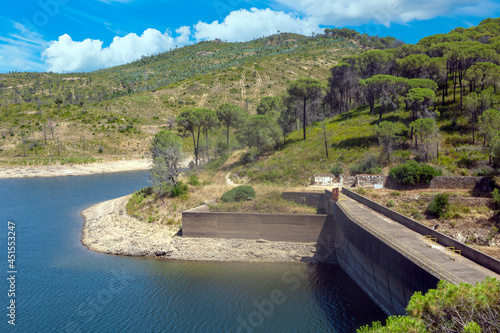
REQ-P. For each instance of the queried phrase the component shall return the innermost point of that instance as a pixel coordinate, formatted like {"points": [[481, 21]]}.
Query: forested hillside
{"points": [[436, 102]]}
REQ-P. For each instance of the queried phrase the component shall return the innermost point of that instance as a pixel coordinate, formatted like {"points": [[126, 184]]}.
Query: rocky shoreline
{"points": [[74, 169], [108, 229]]}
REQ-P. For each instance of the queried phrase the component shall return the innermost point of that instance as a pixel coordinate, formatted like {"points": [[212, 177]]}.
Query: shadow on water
{"points": [[339, 298]]}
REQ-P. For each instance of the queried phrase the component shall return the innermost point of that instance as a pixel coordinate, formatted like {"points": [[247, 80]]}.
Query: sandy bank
{"points": [[74, 169], [108, 229]]}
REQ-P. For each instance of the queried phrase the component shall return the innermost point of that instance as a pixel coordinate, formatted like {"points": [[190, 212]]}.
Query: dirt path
{"points": [[242, 86]]}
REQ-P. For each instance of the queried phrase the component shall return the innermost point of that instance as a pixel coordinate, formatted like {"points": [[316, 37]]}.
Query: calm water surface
{"points": [[61, 286]]}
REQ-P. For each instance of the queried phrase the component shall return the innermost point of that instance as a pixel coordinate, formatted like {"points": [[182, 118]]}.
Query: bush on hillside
{"points": [[411, 172], [337, 170], [368, 165], [439, 205], [240, 193]]}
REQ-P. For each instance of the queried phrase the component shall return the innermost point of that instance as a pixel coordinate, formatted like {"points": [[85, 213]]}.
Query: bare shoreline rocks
{"points": [[75, 169], [108, 229]]}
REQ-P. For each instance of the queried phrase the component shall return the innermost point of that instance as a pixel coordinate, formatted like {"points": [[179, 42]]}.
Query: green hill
{"points": [[113, 113]]}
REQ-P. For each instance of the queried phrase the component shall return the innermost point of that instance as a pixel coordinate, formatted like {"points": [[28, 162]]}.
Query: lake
{"points": [[61, 286]]}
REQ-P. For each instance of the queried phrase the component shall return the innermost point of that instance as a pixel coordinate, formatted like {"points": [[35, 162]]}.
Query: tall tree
{"points": [[474, 105], [306, 90], [231, 116], [386, 88], [271, 106], [419, 99], [413, 66], [260, 131], [210, 121], [489, 124], [375, 62], [426, 129], [340, 83], [166, 150], [388, 136], [439, 73], [193, 120]]}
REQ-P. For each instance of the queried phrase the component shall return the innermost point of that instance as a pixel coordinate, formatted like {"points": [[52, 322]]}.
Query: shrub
{"points": [[448, 308], [252, 155], [390, 204], [337, 170], [406, 173], [427, 173], [468, 160], [439, 205], [367, 165], [178, 189], [411, 172], [240, 193], [495, 197], [193, 180]]}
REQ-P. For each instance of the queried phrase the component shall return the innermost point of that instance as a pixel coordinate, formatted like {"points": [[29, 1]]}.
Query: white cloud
{"points": [[21, 50], [184, 35], [341, 12], [244, 25], [66, 55]]}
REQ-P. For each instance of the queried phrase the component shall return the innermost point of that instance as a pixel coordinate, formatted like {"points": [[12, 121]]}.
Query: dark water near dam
{"points": [[61, 286]]}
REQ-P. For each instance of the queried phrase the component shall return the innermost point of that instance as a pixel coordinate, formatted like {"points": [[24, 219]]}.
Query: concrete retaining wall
{"points": [[272, 227], [311, 199], [468, 252], [476, 184]]}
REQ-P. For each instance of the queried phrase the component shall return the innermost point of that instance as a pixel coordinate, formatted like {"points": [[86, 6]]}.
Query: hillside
{"points": [[113, 113]]}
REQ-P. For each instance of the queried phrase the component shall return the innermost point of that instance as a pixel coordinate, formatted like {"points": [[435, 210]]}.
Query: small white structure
{"points": [[324, 179]]}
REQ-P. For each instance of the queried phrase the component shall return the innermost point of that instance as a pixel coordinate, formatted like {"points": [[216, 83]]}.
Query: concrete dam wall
{"points": [[384, 273]]}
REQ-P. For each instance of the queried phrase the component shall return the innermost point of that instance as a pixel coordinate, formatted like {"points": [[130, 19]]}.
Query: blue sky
{"points": [[84, 35]]}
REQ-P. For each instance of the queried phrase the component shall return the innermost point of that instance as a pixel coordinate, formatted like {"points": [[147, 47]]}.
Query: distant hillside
{"points": [[114, 112]]}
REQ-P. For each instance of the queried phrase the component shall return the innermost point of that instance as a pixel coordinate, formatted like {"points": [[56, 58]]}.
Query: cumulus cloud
{"points": [[341, 12], [244, 25], [66, 55], [184, 35]]}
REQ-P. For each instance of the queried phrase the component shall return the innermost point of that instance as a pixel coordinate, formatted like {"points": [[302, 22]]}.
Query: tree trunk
{"points": [[326, 141], [454, 86], [227, 138], [195, 149], [208, 151], [304, 118], [473, 130], [443, 96]]}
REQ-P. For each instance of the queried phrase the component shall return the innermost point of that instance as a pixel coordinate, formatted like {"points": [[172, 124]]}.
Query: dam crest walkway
{"points": [[438, 260]]}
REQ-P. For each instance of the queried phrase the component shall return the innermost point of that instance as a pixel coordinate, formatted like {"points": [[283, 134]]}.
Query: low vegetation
{"points": [[411, 173], [239, 193], [448, 308]]}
